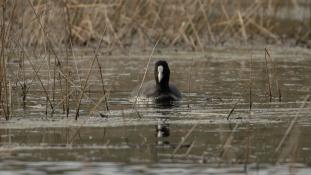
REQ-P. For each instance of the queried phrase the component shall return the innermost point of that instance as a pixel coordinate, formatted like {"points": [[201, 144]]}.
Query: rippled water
{"points": [[196, 136]]}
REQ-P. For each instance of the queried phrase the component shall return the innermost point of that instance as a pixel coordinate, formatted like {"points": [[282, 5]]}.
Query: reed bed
{"points": [[192, 24]]}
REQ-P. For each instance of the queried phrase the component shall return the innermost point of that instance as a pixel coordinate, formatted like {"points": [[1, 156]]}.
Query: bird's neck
{"points": [[163, 86]]}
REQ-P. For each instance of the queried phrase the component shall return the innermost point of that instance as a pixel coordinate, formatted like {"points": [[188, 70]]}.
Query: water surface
{"points": [[195, 136]]}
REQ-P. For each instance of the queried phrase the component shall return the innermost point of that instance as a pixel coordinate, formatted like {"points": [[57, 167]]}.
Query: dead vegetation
{"points": [[188, 23]]}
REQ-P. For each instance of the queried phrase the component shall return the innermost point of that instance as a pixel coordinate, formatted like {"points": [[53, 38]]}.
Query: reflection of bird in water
{"points": [[162, 131]]}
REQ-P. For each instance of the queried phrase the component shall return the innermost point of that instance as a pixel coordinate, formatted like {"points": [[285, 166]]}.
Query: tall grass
{"points": [[193, 23], [4, 88]]}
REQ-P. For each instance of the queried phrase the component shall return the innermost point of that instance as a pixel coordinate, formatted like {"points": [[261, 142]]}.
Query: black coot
{"points": [[160, 90]]}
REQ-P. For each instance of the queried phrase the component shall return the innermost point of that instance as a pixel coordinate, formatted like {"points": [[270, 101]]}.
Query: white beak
{"points": [[160, 73]]}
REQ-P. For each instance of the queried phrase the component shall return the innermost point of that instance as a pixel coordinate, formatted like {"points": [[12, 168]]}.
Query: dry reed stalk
{"points": [[224, 12], [181, 33], [206, 19], [90, 113], [75, 86], [1, 80], [62, 99], [228, 23], [292, 124], [232, 109], [68, 47], [36, 71], [278, 86], [41, 25], [47, 41], [47, 45], [290, 150], [228, 143], [243, 30], [86, 81], [75, 64], [3, 76], [248, 14], [190, 148], [294, 154], [247, 152], [103, 98], [54, 80], [10, 101], [189, 82], [47, 88], [268, 75], [194, 31], [193, 44], [110, 26], [183, 139], [23, 85], [103, 85], [7, 25], [61, 92], [71, 92], [146, 70], [250, 11], [276, 77], [264, 30], [102, 81], [250, 83], [86, 6], [223, 33], [157, 13]]}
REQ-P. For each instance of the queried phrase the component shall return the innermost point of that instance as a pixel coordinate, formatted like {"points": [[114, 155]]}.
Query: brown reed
{"points": [[276, 76], [226, 147], [189, 23], [232, 109], [268, 74], [4, 97], [250, 84], [103, 84], [189, 82], [68, 49], [183, 139], [292, 124], [146, 70], [86, 81]]}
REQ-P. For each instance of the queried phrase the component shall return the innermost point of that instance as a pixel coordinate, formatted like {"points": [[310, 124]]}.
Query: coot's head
{"points": [[162, 73]]}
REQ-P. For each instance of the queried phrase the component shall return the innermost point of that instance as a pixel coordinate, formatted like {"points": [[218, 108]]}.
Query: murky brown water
{"points": [[144, 143]]}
